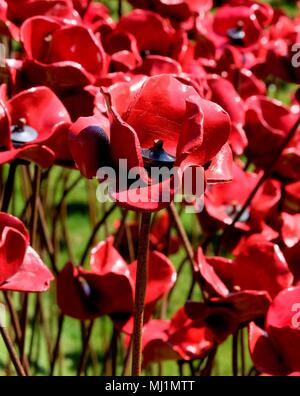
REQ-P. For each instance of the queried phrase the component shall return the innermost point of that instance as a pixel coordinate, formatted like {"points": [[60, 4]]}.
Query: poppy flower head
{"points": [[165, 123], [21, 268], [28, 126]]}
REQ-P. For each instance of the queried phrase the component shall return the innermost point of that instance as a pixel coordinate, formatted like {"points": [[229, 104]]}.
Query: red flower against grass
{"points": [[60, 55], [20, 10], [180, 12], [249, 282], [268, 122], [109, 287], [34, 127], [188, 335], [21, 268], [275, 350], [222, 203], [223, 93], [159, 110]]}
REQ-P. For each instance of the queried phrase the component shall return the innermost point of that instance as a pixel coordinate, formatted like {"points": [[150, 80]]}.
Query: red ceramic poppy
{"points": [[93, 12], [221, 321], [249, 273], [179, 12], [123, 50], [20, 10], [244, 81], [155, 343], [109, 287], [85, 294], [226, 96], [28, 121], [268, 122], [233, 24], [283, 26], [223, 202], [61, 55], [178, 339], [153, 34], [161, 276], [192, 131], [263, 12], [275, 350], [21, 268], [281, 54], [252, 16], [245, 284]]}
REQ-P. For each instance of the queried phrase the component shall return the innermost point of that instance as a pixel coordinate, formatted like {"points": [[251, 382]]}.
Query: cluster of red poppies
{"points": [[200, 81]]}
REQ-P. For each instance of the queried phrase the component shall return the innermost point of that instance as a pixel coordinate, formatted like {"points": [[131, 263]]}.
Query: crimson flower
{"points": [[223, 201], [94, 13], [268, 122], [154, 34], [181, 11], [61, 55], [187, 335], [97, 19], [33, 127], [284, 34], [158, 110], [247, 283], [122, 50], [20, 10], [229, 64], [236, 24], [21, 268], [109, 287], [275, 350], [223, 93]]}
